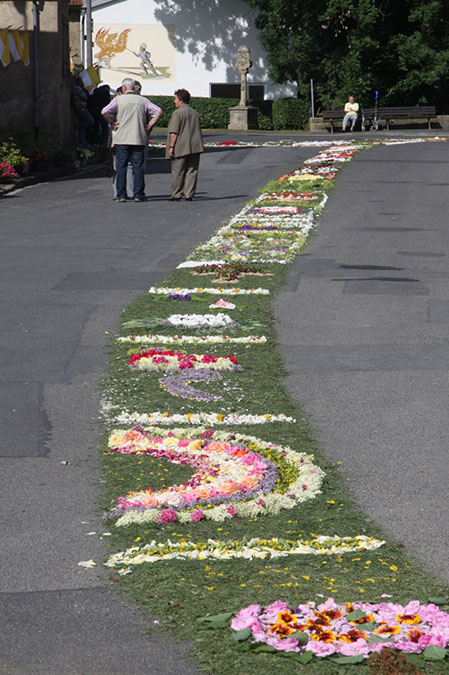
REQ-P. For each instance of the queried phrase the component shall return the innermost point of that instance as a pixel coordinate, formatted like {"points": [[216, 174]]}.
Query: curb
{"points": [[46, 177]]}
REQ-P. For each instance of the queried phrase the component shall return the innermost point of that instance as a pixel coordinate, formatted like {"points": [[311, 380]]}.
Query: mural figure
{"points": [[145, 60], [115, 55], [110, 44], [243, 63]]}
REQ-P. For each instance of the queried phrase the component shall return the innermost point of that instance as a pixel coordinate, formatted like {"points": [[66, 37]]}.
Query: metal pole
{"points": [[37, 102], [312, 99], [89, 45], [83, 36]]}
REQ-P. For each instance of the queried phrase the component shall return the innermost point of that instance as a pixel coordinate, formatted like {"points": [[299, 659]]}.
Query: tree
{"points": [[398, 47]]}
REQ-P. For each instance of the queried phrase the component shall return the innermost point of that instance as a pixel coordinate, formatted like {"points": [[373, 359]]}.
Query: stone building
{"points": [[75, 41], [36, 97], [191, 43]]}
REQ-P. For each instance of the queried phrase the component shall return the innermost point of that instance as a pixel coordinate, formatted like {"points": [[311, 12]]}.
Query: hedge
{"points": [[280, 114], [290, 113], [214, 111]]}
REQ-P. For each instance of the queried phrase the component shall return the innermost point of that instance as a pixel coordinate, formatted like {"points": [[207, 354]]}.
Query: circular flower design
{"points": [[234, 476], [351, 629]]}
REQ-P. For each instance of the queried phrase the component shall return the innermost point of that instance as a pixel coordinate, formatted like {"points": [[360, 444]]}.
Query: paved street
{"points": [[71, 259], [364, 329], [363, 325]]}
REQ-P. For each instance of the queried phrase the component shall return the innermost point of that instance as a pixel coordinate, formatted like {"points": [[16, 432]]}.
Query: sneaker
{"points": [[121, 200], [139, 199]]}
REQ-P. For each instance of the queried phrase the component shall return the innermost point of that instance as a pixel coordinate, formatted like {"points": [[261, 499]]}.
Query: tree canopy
{"points": [[399, 48]]}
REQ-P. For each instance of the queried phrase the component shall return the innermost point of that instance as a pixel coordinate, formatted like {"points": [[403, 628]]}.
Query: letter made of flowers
{"points": [[233, 476]]}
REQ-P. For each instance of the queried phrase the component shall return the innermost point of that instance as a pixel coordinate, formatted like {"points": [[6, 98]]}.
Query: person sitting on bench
{"points": [[352, 112]]}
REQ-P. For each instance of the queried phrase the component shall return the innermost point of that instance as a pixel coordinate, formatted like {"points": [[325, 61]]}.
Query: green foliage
{"points": [[290, 113], [214, 111], [10, 153], [398, 47]]}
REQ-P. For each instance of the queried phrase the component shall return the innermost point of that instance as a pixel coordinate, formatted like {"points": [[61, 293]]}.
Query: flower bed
{"points": [[229, 272], [260, 549], [168, 361], [209, 291], [235, 476], [193, 339], [350, 629], [200, 321], [179, 385], [211, 419], [292, 197]]}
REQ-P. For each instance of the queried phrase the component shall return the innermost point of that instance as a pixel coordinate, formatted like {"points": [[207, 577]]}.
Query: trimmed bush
{"points": [[214, 111], [290, 113]]}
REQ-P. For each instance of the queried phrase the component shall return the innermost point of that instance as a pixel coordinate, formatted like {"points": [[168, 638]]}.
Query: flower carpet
{"points": [[212, 472]]}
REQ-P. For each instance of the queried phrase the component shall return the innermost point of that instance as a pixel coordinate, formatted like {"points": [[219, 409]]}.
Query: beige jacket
{"points": [[132, 116]]}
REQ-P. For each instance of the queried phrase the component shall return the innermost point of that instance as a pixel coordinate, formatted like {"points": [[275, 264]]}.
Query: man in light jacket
{"points": [[184, 147], [129, 115], [352, 112]]}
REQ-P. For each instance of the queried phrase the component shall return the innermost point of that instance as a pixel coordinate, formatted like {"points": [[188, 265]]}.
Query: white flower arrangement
{"points": [[253, 549], [193, 339], [218, 290], [209, 419], [219, 320]]}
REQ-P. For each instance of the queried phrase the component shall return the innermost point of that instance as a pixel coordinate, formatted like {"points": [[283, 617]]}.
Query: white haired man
{"points": [[352, 113], [132, 116]]}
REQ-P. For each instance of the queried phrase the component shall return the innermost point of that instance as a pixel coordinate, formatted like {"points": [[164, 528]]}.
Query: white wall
{"points": [[206, 38]]}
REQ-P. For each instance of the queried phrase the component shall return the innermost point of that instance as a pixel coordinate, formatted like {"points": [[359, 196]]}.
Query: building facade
{"points": [[168, 44], [36, 90]]}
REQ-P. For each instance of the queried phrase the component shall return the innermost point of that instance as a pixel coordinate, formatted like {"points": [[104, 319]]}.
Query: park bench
{"points": [[333, 116], [371, 117]]}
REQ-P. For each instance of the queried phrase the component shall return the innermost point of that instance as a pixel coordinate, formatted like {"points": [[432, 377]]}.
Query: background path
{"points": [[70, 260], [364, 328]]}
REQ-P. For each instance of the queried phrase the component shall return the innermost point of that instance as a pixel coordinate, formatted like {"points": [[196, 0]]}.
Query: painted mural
{"points": [[142, 51]]}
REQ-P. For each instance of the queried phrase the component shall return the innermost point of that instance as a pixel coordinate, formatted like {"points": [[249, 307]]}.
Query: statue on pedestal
{"points": [[243, 63], [242, 116]]}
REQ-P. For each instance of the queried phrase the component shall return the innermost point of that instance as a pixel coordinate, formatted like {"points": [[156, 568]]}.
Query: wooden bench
{"points": [[369, 117], [333, 116]]}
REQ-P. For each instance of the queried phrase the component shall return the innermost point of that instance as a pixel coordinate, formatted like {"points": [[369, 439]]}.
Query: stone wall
{"points": [[17, 79]]}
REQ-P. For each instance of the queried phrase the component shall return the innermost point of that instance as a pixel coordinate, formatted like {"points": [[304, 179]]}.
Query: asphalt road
{"points": [[70, 260], [364, 329]]}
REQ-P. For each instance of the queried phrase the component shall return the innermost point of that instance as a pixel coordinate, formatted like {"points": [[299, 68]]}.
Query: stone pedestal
{"points": [[317, 125], [242, 118]]}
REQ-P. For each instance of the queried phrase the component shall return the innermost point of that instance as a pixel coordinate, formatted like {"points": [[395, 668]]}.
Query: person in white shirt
{"points": [[352, 112]]}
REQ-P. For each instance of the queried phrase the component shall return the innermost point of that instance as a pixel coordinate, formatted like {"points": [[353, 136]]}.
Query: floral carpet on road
{"points": [[223, 517]]}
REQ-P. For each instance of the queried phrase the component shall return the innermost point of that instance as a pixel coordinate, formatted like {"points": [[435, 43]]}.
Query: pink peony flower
{"points": [[167, 516], [272, 611], [284, 645], [231, 510], [432, 639], [321, 648], [197, 515], [355, 648], [409, 647], [246, 617]]}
